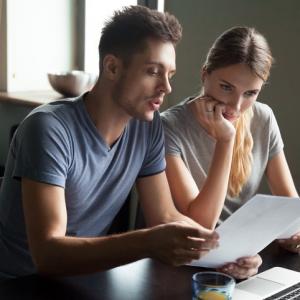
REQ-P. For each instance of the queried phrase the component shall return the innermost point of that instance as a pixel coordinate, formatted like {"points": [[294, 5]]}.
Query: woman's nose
{"points": [[236, 103]]}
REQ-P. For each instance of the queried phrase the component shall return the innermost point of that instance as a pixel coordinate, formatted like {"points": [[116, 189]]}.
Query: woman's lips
{"points": [[229, 117]]}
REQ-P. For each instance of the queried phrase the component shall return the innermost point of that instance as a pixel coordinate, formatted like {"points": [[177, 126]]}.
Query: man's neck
{"points": [[108, 120]]}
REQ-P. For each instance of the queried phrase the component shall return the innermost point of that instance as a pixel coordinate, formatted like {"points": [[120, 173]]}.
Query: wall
{"points": [[204, 20], [10, 115]]}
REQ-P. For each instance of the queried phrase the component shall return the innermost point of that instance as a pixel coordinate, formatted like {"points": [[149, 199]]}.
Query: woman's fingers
{"points": [[244, 267]]}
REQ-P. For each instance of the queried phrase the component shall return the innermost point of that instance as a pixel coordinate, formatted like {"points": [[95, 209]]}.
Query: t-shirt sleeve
{"points": [[276, 142], [41, 149], [154, 161], [172, 142]]}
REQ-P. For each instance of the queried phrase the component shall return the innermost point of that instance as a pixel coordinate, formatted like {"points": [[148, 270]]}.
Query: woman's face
{"points": [[235, 86]]}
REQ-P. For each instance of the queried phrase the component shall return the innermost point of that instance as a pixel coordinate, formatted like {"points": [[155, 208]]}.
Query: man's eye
{"points": [[225, 87], [171, 78], [153, 72]]}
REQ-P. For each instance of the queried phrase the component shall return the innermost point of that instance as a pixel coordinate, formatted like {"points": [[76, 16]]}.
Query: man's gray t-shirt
{"points": [[185, 137], [58, 144]]}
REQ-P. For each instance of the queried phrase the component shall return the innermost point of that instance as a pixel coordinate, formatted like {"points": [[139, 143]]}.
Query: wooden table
{"points": [[143, 280]]}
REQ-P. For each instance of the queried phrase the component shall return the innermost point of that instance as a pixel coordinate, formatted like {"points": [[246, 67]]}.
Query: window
{"points": [[96, 13], [37, 37]]}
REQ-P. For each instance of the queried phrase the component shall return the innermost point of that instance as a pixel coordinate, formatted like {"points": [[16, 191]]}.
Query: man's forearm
{"points": [[73, 256]]}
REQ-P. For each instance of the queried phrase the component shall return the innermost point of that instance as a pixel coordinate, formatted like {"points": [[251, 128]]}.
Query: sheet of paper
{"points": [[252, 227]]}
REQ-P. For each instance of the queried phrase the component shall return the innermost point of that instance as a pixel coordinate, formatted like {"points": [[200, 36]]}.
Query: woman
{"points": [[221, 143]]}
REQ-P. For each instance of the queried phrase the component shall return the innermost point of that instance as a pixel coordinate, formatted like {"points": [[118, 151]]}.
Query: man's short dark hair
{"points": [[126, 32]]}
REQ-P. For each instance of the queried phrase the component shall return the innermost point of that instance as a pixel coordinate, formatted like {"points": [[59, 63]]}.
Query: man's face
{"points": [[142, 85]]}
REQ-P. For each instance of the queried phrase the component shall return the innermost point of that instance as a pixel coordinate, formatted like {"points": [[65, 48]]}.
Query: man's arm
{"points": [[158, 207], [54, 253]]}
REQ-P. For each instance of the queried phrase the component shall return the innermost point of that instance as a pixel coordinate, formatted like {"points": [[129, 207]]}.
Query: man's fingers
{"points": [[200, 232], [201, 244]]}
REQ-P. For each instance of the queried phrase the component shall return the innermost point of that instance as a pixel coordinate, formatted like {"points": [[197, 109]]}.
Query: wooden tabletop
{"points": [[145, 279]]}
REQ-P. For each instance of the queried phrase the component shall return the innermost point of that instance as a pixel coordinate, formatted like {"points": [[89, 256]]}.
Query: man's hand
{"points": [[179, 243], [243, 268], [292, 244]]}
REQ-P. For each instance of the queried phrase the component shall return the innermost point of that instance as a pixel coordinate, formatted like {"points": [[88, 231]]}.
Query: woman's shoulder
{"points": [[262, 111], [176, 113], [263, 118]]}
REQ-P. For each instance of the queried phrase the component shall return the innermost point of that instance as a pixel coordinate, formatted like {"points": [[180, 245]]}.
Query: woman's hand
{"points": [[209, 112], [243, 268], [292, 244]]}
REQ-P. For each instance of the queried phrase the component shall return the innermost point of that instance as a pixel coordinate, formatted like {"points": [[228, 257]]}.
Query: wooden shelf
{"points": [[30, 98]]}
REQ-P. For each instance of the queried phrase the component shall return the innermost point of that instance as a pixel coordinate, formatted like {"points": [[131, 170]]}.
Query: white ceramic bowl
{"points": [[72, 83]]}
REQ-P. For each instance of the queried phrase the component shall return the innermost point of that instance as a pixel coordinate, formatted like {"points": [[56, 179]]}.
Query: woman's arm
{"points": [[281, 183], [279, 176], [203, 206]]}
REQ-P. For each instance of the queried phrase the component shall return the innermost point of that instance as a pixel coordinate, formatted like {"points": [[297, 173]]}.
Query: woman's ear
{"points": [[111, 67], [203, 73]]}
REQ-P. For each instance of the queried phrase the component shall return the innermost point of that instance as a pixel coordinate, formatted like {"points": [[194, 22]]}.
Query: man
{"points": [[73, 162]]}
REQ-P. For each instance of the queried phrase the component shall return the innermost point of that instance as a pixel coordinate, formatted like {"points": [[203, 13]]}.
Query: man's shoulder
{"points": [[56, 111], [58, 116], [57, 107]]}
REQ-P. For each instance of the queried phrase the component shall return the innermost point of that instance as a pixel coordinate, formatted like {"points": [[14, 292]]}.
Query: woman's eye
{"points": [[225, 87], [250, 93]]}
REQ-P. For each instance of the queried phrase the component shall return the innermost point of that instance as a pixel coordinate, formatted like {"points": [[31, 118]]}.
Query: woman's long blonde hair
{"points": [[241, 45]]}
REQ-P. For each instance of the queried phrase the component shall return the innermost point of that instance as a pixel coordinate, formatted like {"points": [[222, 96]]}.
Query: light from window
{"points": [[96, 13]]}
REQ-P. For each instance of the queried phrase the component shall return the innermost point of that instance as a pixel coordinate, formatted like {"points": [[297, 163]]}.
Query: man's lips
{"points": [[155, 103]]}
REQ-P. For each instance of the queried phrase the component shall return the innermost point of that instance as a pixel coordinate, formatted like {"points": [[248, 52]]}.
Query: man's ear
{"points": [[111, 67]]}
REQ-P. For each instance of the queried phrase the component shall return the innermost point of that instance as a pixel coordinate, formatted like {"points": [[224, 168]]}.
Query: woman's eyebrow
{"points": [[230, 84], [227, 82]]}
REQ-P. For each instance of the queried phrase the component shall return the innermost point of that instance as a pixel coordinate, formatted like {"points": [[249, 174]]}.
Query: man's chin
{"points": [[148, 117]]}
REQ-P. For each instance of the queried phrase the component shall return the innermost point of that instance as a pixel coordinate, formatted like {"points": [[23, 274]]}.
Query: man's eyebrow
{"points": [[160, 65], [153, 62]]}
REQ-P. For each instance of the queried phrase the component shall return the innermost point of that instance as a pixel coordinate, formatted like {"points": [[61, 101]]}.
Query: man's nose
{"points": [[166, 86]]}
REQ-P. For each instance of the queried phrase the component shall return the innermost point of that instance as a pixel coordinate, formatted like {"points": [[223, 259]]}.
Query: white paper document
{"points": [[252, 227]]}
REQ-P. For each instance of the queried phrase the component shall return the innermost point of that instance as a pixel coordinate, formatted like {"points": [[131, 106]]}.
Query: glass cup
{"points": [[212, 286]]}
